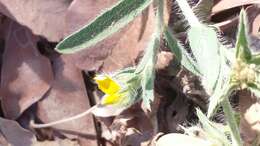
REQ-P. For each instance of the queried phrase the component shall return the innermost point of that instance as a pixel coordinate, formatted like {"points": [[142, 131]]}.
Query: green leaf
{"points": [[126, 74], [219, 95], [242, 49], [148, 88], [255, 59], [223, 88], [146, 69], [254, 90], [149, 53], [205, 48], [181, 54], [103, 26], [212, 130]]}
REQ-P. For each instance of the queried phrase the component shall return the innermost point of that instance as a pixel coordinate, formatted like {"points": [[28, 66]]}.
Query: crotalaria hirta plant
{"points": [[222, 71], [124, 87]]}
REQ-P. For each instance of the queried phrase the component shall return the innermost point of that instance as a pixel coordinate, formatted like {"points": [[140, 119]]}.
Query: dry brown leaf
{"points": [[253, 13], [15, 135], [222, 5], [57, 142], [3, 141], [132, 128], [229, 24], [26, 74], [43, 17], [66, 98], [250, 116], [117, 51]]}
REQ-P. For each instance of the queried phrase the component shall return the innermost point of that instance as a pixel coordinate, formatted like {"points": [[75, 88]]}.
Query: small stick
{"points": [[35, 125]]}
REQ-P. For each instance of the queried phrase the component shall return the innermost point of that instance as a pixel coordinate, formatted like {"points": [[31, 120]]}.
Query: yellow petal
{"points": [[111, 99], [106, 84]]}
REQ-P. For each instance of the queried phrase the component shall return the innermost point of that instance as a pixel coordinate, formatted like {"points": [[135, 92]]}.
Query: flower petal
{"points": [[106, 84], [107, 111], [110, 99]]}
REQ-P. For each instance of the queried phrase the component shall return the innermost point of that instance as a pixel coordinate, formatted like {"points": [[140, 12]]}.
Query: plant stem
{"points": [[51, 124], [159, 17], [188, 13], [151, 51], [229, 113]]}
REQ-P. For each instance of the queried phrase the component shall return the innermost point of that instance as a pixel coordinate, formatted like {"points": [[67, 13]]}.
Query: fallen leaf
{"points": [[66, 98], [253, 13], [228, 23], [132, 128], [46, 18], [15, 135], [3, 141], [222, 5], [26, 74], [250, 116], [57, 142]]}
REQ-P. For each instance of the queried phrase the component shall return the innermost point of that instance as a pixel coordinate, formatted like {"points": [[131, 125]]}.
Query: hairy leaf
{"points": [[149, 76], [242, 49], [103, 26], [119, 50], [223, 89], [146, 68], [188, 13], [181, 54], [255, 59], [205, 47], [218, 96], [212, 131], [254, 90]]}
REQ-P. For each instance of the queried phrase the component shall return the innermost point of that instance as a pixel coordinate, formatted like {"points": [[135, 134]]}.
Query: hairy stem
{"points": [[35, 125], [229, 113], [160, 17]]}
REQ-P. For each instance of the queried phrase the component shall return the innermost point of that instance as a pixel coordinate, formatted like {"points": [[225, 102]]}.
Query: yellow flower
{"points": [[122, 89], [115, 93], [106, 84], [110, 87]]}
